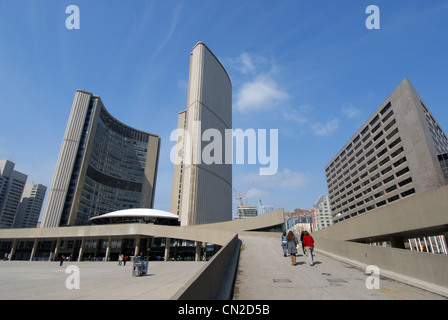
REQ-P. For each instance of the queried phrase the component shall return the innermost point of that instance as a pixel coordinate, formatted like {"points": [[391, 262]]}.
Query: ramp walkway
{"points": [[264, 274]]}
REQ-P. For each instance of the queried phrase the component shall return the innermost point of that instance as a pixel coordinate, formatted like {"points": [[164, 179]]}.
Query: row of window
{"points": [[438, 136], [379, 204], [362, 152], [122, 129], [360, 177], [111, 157], [374, 124], [98, 199], [374, 192], [365, 166]]}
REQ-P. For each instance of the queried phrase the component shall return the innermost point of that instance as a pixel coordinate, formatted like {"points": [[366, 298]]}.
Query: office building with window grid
{"points": [[30, 206], [12, 183], [103, 166], [394, 155]]}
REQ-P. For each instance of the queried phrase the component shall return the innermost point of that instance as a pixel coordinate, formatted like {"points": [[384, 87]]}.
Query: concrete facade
{"points": [[202, 192], [392, 156], [103, 166], [176, 192]]}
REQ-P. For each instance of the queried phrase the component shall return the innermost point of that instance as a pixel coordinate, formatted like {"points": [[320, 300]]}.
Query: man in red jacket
{"points": [[308, 242]]}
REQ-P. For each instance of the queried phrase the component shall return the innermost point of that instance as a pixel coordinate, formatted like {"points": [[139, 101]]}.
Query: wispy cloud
{"points": [[146, 17], [250, 64], [350, 111], [298, 115], [247, 63], [174, 23], [325, 129]]}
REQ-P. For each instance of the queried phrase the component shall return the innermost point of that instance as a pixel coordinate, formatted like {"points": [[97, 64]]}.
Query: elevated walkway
{"points": [[264, 274]]}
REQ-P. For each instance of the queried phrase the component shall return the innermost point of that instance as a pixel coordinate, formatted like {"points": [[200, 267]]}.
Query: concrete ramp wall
{"points": [[423, 270], [421, 215], [215, 280]]}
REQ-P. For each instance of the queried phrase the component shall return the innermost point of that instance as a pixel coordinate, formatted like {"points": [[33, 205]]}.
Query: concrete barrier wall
{"points": [[215, 279], [425, 270], [424, 214]]}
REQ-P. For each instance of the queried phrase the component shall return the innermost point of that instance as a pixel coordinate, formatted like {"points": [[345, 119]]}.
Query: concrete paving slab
{"points": [[39, 280], [264, 274]]}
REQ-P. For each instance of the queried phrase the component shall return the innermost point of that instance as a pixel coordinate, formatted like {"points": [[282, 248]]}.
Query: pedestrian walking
{"points": [[301, 240], [292, 247], [61, 260], [120, 259], [309, 246], [284, 244], [124, 260]]}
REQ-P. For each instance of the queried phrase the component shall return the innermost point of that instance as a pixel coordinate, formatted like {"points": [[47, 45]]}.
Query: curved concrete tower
{"points": [[202, 189], [103, 166]]}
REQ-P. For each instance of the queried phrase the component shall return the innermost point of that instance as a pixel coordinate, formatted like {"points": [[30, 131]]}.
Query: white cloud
{"points": [[259, 91], [324, 129], [350, 112], [260, 94]]}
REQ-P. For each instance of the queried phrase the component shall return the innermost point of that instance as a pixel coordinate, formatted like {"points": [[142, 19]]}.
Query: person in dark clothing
{"points": [[309, 246], [301, 240]]}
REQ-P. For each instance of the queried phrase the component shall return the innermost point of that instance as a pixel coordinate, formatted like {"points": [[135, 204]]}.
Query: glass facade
{"points": [[110, 169]]}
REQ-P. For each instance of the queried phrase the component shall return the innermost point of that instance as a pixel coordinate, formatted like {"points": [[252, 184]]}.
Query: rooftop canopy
{"points": [[140, 215]]}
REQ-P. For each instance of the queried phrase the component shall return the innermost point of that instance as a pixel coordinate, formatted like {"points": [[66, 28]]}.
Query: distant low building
{"points": [[298, 216], [266, 208], [246, 212], [30, 206], [321, 213], [12, 184]]}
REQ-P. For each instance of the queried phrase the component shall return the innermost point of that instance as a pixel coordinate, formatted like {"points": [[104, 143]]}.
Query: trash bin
{"points": [[140, 267]]}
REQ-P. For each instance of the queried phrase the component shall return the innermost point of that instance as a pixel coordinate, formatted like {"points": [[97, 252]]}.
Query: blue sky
{"points": [[310, 69]]}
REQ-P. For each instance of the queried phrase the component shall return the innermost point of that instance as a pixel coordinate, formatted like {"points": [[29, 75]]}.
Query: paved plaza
{"points": [[263, 274], [98, 280]]}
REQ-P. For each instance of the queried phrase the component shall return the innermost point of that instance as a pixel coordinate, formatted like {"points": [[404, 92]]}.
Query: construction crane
{"points": [[240, 197]]}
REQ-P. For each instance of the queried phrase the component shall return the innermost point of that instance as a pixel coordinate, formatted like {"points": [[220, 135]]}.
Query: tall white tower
{"points": [[202, 192]]}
